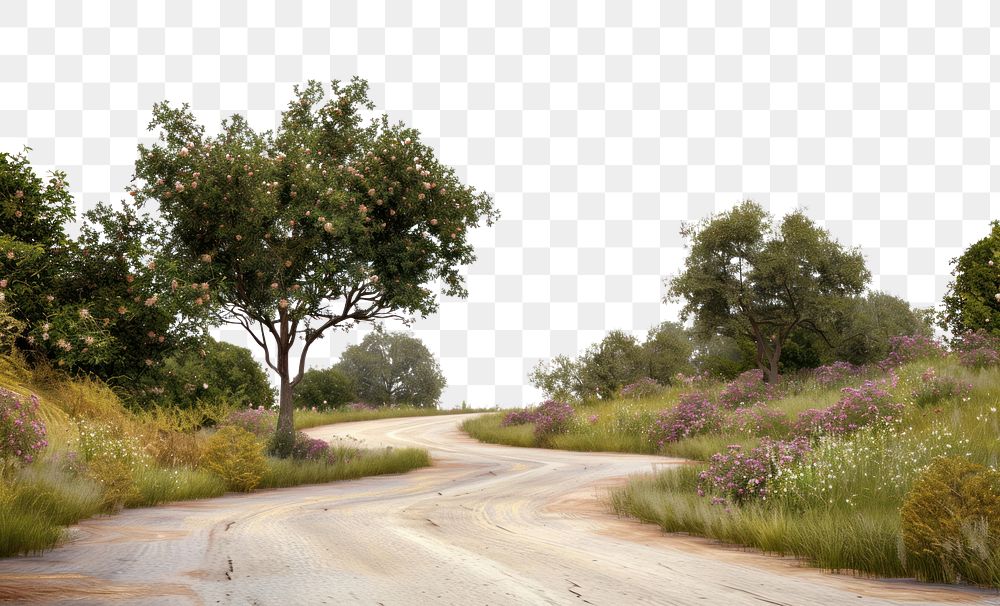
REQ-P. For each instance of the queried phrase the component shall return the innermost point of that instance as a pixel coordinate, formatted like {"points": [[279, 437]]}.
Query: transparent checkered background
{"points": [[598, 126]]}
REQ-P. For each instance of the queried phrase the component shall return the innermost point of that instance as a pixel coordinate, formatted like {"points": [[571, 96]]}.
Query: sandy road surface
{"points": [[486, 525]]}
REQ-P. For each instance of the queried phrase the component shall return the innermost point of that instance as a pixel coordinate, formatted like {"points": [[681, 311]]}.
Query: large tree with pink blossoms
{"points": [[327, 222]]}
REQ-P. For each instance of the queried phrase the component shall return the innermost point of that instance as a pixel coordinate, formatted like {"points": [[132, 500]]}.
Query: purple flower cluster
{"points": [[834, 373], [757, 421], [738, 476], [311, 449], [694, 414], [933, 388], [746, 390], [552, 417], [22, 433], [977, 349], [857, 408], [259, 421], [905, 349], [643, 388], [693, 380]]}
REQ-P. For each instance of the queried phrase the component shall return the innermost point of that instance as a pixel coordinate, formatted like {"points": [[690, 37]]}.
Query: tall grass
{"points": [[283, 473], [306, 418]]}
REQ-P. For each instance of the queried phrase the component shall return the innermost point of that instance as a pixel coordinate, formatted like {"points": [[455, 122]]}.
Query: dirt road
{"points": [[486, 525]]}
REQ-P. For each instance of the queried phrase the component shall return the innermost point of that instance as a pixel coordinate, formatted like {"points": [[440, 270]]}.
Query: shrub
{"points": [[552, 417], [857, 408], [693, 415], [834, 373], [324, 389], [905, 349], [235, 455], [746, 390], [259, 421], [977, 349], [110, 457], [643, 388], [309, 448], [757, 421], [950, 522], [933, 388], [22, 433], [737, 476], [519, 417]]}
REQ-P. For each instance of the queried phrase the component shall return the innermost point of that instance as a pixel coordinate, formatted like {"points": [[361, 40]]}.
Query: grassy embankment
{"points": [[838, 508], [102, 457]]}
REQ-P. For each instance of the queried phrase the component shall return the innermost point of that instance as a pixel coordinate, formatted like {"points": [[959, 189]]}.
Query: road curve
{"points": [[485, 525]]}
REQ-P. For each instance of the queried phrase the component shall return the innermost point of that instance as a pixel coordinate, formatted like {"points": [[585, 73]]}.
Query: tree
{"points": [[614, 361], [324, 388], [560, 378], [667, 350], [325, 223], [746, 278], [393, 369], [973, 298], [209, 371], [864, 326]]}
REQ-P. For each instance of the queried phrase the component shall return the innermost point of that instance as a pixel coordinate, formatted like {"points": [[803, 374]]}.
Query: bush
{"points": [[22, 433], [236, 456], [977, 349], [934, 388], [523, 416], [907, 348], [857, 408], [693, 415], [307, 448], [259, 421], [951, 523], [552, 417], [834, 373], [758, 421], [737, 476], [643, 388], [746, 390], [324, 389]]}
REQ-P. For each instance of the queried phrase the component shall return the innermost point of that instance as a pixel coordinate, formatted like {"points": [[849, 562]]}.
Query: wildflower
{"points": [[152, 301], [85, 313], [3, 283]]}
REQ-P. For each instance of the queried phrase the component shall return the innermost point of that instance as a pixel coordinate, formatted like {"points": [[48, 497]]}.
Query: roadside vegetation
{"points": [[819, 421]]}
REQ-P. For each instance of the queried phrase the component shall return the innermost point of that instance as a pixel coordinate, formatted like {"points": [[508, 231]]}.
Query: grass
{"points": [[141, 457], [306, 418], [282, 473]]}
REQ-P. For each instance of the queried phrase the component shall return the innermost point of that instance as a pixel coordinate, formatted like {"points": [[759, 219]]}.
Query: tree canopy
{"points": [[393, 369], [973, 298], [327, 222], [745, 277]]}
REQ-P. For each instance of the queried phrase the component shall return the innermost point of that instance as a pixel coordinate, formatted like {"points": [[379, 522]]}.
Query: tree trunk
{"points": [[284, 435], [772, 371]]}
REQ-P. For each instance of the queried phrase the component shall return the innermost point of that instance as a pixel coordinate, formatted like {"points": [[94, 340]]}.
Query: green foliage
{"points": [[326, 222], [667, 350], [324, 389], [393, 368], [350, 464], [216, 371], [747, 278], [560, 378], [972, 301], [951, 519], [615, 361], [236, 456]]}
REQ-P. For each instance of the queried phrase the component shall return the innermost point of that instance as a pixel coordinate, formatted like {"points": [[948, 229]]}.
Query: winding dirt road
{"points": [[486, 525]]}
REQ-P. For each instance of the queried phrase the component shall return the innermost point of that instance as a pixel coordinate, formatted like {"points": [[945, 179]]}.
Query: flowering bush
{"points": [[22, 433], [643, 388], [518, 417], [857, 408], [746, 390], [552, 417], [694, 414], [757, 421], [933, 388], [737, 476], [259, 421], [310, 449], [977, 349], [905, 349], [833, 373]]}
